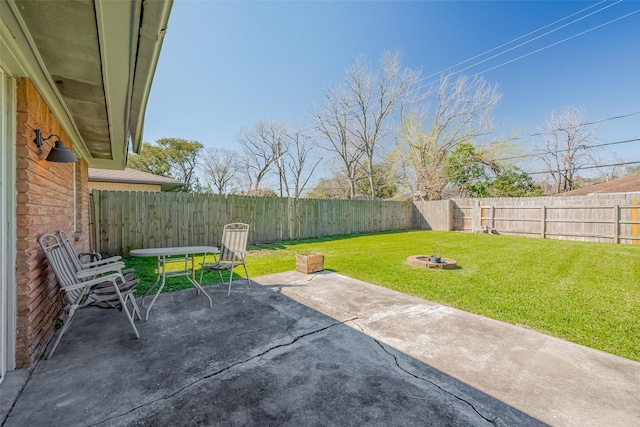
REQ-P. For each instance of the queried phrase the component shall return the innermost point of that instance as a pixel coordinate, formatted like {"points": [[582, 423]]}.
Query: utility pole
{"points": [[280, 164]]}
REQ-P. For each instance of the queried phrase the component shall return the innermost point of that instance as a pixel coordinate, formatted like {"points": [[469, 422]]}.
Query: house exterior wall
{"points": [[122, 186], [45, 203], [83, 201]]}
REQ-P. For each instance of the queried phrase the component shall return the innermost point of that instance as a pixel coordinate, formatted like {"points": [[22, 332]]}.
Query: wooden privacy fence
{"points": [[129, 220], [126, 220], [605, 218]]}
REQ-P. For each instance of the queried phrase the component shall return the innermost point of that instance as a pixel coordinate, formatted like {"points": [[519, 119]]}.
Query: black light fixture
{"points": [[59, 153]]}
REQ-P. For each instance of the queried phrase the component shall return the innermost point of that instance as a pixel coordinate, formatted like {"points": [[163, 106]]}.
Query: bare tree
{"points": [[335, 187], [298, 164], [354, 118], [463, 113], [375, 96], [333, 122], [220, 168], [566, 148], [262, 149]]}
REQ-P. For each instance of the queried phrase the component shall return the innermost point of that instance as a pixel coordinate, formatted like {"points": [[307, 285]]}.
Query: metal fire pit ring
{"points": [[422, 261]]}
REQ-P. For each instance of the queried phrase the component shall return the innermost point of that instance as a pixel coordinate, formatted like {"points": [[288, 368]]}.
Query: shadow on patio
{"points": [[256, 358]]}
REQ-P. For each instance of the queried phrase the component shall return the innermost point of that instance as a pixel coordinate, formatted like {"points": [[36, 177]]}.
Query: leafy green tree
{"points": [[477, 174], [466, 168], [152, 159], [513, 182], [171, 157]]}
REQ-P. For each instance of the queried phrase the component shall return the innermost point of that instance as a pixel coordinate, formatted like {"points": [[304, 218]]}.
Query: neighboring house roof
{"points": [[625, 184], [133, 176], [93, 62]]}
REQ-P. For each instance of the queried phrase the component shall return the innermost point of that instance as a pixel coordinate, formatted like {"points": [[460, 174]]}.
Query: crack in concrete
{"points": [[490, 420], [22, 387], [226, 368]]}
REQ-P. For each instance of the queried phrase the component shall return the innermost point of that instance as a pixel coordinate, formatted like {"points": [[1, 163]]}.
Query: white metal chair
{"points": [[233, 249], [100, 295], [78, 283], [98, 261]]}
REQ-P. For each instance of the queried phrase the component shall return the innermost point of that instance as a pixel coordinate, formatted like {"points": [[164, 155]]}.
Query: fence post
{"points": [[292, 229], [493, 217], [616, 227], [476, 219], [543, 221], [96, 196], [450, 215], [634, 226]]}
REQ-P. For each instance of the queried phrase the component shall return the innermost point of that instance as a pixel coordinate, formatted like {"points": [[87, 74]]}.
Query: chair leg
{"points": [[204, 260], [126, 309], [73, 310], [230, 278], [136, 309], [247, 273], [65, 326]]}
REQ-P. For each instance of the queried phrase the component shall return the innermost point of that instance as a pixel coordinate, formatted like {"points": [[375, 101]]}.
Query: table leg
{"points": [[151, 288], [192, 279], [193, 267], [155, 297], [200, 289]]}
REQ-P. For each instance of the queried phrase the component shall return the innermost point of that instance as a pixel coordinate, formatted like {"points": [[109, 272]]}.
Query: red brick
{"points": [[45, 203]]}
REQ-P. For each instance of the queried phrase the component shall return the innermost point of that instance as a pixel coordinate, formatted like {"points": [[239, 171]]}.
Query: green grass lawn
{"points": [[588, 293]]}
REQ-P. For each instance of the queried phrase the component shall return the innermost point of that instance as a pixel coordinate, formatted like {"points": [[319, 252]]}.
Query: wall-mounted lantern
{"points": [[59, 153]]}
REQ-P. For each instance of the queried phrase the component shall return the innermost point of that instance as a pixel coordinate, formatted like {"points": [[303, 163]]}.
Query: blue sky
{"points": [[226, 65]]}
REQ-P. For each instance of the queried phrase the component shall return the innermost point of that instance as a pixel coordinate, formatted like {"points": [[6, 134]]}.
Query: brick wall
{"points": [[45, 202]]}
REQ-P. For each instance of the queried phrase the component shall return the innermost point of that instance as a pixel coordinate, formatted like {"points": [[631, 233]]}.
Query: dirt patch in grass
{"points": [[258, 253]]}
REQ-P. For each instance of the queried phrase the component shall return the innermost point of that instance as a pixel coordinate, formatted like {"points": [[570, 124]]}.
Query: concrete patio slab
{"points": [[553, 380], [322, 350]]}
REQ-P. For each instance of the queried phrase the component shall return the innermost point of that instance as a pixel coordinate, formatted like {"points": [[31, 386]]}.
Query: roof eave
{"points": [[129, 61], [19, 49], [130, 35], [155, 18]]}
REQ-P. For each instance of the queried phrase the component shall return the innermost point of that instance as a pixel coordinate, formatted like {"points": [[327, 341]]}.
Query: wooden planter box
{"points": [[309, 263]]}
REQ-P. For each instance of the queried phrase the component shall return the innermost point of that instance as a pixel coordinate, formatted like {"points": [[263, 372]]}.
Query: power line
{"points": [[525, 42], [595, 122], [557, 43], [524, 156], [633, 162], [537, 50]]}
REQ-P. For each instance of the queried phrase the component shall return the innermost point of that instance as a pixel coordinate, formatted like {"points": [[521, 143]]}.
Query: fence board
{"points": [[600, 218], [130, 220]]}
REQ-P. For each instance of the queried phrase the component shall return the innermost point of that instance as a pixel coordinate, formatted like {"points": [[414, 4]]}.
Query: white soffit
{"points": [[93, 62]]}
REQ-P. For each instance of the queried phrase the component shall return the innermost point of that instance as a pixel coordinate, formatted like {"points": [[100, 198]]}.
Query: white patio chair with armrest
{"points": [[233, 249], [102, 296], [79, 256], [78, 284]]}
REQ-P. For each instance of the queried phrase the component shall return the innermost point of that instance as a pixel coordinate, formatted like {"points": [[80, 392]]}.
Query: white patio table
{"points": [[165, 255]]}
